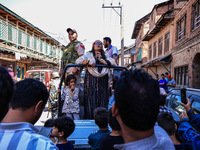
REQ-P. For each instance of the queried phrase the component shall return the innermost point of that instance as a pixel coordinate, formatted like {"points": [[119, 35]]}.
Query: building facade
{"points": [[141, 47], [174, 41], [159, 39], [24, 46], [186, 50]]}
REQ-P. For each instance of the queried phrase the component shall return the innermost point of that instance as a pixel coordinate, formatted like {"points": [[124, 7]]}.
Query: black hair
{"points": [[49, 123], [113, 121], [102, 53], [167, 122], [137, 98], [162, 100], [65, 124], [6, 91], [166, 73], [28, 93], [107, 39], [101, 117], [114, 81], [162, 74], [69, 77]]}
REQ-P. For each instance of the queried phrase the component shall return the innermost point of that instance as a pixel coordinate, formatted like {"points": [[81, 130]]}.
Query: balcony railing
{"points": [[11, 34]]}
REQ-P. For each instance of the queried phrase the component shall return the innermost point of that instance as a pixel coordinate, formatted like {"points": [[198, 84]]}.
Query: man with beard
{"points": [[112, 50]]}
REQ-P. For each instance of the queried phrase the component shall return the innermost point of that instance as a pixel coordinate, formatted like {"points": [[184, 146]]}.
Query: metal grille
{"points": [[4, 31], [14, 35]]}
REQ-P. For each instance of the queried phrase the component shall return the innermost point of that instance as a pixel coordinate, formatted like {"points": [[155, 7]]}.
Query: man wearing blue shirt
{"points": [[26, 106], [112, 50], [163, 82]]}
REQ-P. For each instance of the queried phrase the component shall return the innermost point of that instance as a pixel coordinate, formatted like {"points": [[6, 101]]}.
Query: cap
{"points": [[55, 75], [169, 76], [73, 30]]}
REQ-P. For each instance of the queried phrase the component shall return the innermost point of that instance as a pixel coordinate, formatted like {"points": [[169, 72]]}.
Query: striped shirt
{"points": [[23, 136]]}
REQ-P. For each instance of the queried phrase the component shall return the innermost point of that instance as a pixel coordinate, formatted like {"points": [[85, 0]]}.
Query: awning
{"points": [[168, 56]]}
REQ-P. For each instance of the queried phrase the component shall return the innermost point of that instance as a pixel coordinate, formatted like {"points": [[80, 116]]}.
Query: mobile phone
{"points": [[45, 131], [183, 96]]}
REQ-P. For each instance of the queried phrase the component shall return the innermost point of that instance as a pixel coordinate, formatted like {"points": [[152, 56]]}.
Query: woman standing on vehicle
{"points": [[96, 79]]}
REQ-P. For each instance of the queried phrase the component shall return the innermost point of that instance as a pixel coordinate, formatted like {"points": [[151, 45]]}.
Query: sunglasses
{"points": [[97, 43]]}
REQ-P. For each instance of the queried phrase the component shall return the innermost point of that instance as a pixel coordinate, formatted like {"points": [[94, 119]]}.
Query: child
{"points": [[166, 121], [62, 129], [101, 120], [71, 101], [115, 137], [49, 123]]}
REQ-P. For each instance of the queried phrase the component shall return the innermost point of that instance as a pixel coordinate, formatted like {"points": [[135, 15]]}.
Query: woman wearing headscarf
{"points": [[96, 78]]}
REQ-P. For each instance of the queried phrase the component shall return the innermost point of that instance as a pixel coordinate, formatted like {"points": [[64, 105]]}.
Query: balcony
{"points": [[29, 44]]}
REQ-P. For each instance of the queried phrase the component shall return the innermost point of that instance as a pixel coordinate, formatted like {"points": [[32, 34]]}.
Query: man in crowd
{"points": [[136, 108], [73, 51], [163, 82], [112, 50], [171, 83], [166, 121], [6, 91], [26, 106]]}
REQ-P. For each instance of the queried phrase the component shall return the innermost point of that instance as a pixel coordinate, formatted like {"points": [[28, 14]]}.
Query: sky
{"points": [[90, 20]]}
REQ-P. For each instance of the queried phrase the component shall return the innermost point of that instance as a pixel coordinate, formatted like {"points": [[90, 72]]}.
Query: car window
{"points": [[175, 104], [34, 75], [195, 103], [168, 98]]}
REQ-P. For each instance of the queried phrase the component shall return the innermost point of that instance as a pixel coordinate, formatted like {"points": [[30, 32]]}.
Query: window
{"points": [[20, 37], [181, 75], [160, 45], [150, 52], [154, 49], [167, 42], [181, 28], [140, 54], [35, 43], [10, 32], [195, 103], [196, 15], [28, 40], [41, 43], [175, 105]]}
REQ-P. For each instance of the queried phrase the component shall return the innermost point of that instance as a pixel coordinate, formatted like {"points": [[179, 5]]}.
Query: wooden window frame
{"points": [[181, 31]]}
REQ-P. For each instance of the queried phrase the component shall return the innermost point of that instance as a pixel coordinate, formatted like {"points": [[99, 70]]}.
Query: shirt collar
{"points": [[109, 48], [18, 126]]}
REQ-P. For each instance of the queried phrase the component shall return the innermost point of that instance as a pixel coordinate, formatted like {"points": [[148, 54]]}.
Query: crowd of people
{"points": [[167, 83], [135, 111], [134, 118]]}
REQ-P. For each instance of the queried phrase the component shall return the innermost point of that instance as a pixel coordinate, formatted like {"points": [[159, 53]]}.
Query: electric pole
{"points": [[121, 14]]}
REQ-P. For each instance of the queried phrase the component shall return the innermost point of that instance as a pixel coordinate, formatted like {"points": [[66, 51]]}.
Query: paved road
{"points": [[43, 117]]}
